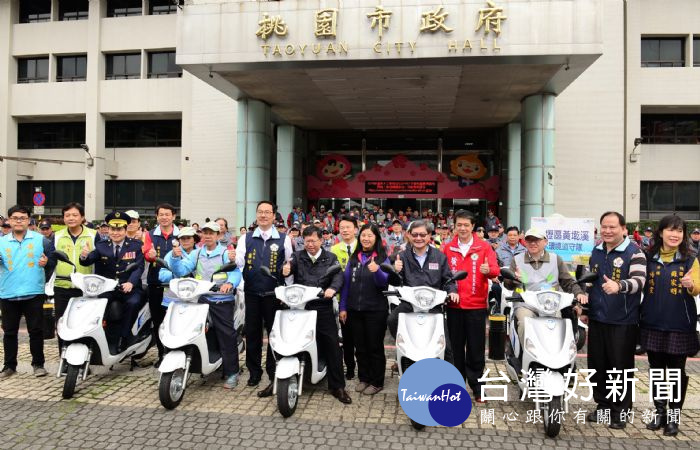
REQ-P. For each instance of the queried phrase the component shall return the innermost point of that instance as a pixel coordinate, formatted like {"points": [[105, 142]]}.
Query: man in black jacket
{"points": [[309, 267], [421, 265]]}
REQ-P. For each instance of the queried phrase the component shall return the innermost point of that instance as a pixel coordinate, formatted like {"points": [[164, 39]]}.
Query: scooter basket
{"points": [[497, 333]]}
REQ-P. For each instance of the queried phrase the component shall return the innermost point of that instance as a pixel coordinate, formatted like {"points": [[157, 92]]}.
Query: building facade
{"points": [[531, 107]]}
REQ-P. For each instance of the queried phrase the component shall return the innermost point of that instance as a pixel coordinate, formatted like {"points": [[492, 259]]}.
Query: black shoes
{"points": [[267, 392], [253, 381], [617, 425], [671, 429], [350, 374], [342, 395]]}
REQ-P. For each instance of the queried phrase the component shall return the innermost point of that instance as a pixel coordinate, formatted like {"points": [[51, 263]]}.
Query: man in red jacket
{"points": [[466, 319]]}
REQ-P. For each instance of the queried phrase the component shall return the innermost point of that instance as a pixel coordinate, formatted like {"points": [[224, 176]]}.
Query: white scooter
{"points": [[293, 337], [190, 343], [550, 345], [420, 334], [82, 329]]}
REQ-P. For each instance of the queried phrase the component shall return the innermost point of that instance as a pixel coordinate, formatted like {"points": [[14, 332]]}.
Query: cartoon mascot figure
{"points": [[468, 169]]}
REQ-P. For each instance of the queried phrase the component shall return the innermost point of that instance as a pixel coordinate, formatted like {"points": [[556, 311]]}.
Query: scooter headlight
{"points": [[530, 346], [186, 288], [549, 301], [425, 298], [293, 295], [93, 286]]}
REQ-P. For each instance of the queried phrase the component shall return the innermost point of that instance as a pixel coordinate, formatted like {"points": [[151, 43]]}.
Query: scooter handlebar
{"points": [[515, 298], [390, 293]]}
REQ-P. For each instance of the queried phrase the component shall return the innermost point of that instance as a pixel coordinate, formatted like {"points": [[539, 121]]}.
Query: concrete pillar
{"points": [[8, 128], [537, 159], [253, 155], [513, 195], [288, 177], [94, 122]]}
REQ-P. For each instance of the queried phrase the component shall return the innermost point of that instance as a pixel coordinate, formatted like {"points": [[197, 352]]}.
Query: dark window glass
{"points": [[58, 193], [31, 11], [686, 196], [122, 66], [670, 128], [696, 52], [660, 196], [162, 65], [33, 70], [123, 8], [143, 133], [50, 135], [73, 9], [156, 7], [663, 52], [71, 68], [669, 196], [139, 194]]}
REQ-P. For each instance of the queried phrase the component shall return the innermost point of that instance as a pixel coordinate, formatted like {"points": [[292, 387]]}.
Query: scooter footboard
{"points": [[286, 367], [77, 354], [172, 361]]}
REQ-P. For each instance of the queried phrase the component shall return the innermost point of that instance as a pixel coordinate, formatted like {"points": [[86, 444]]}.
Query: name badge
{"points": [[433, 266]]}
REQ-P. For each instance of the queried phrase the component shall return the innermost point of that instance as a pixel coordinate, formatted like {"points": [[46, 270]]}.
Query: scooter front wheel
{"points": [[288, 395], [552, 419], [417, 426], [69, 383], [172, 388]]}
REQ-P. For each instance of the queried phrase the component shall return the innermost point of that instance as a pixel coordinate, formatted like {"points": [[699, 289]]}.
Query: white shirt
{"points": [[316, 256], [267, 234], [464, 248]]}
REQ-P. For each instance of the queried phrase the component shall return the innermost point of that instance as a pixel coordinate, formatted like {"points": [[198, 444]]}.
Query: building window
{"points": [[143, 133], [659, 198], [50, 135], [663, 52], [696, 51], [123, 8], [31, 11], [73, 9], [141, 194], [58, 193], [123, 66], [33, 70], [156, 7], [162, 65], [670, 128], [71, 68]]}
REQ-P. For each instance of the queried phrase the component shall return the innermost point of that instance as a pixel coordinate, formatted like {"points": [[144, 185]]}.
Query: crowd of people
{"points": [[425, 249]]}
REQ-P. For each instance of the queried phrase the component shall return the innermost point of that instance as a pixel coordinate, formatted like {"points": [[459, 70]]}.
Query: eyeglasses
{"points": [[264, 213], [421, 235], [19, 219]]}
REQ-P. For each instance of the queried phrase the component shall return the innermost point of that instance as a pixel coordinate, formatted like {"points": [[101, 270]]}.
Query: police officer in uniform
{"points": [[111, 259], [263, 247]]}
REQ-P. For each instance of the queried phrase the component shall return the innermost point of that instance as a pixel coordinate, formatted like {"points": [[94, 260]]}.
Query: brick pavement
{"points": [[118, 408]]}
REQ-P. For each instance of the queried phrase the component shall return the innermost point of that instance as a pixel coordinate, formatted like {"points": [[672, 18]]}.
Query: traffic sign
{"points": [[38, 210], [39, 199]]}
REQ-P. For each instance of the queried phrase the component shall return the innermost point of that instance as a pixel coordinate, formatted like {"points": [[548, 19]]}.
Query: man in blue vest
{"points": [[614, 315], [263, 247], [23, 259]]}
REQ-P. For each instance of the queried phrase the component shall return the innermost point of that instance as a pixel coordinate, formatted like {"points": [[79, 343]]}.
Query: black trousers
{"points": [[611, 346], [369, 328], [348, 345], [467, 331], [221, 314], [328, 342], [12, 312], [155, 300], [659, 360], [259, 312], [61, 297]]}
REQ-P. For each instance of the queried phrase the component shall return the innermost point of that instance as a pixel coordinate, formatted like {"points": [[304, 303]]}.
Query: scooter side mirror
{"points": [[129, 267], [459, 275], [266, 271], [61, 256], [587, 278], [394, 277], [388, 268], [226, 267], [333, 270], [162, 262], [508, 274]]}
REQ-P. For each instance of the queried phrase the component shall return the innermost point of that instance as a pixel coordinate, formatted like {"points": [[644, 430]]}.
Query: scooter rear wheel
{"points": [[69, 383], [287, 395], [172, 388]]}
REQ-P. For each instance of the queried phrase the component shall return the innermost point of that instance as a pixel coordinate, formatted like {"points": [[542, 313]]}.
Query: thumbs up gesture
{"points": [[286, 269], [177, 250], [85, 252], [372, 266], [687, 281], [398, 264], [610, 286], [43, 260], [484, 268]]}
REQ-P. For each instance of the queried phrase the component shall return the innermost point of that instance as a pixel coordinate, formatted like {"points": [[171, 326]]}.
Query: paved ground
{"points": [[118, 408]]}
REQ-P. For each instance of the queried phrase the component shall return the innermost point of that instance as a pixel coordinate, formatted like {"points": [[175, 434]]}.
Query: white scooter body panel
{"points": [[76, 354], [172, 361], [184, 322], [295, 333], [421, 333], [554, 337], [287, 366], [82, 316]]}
